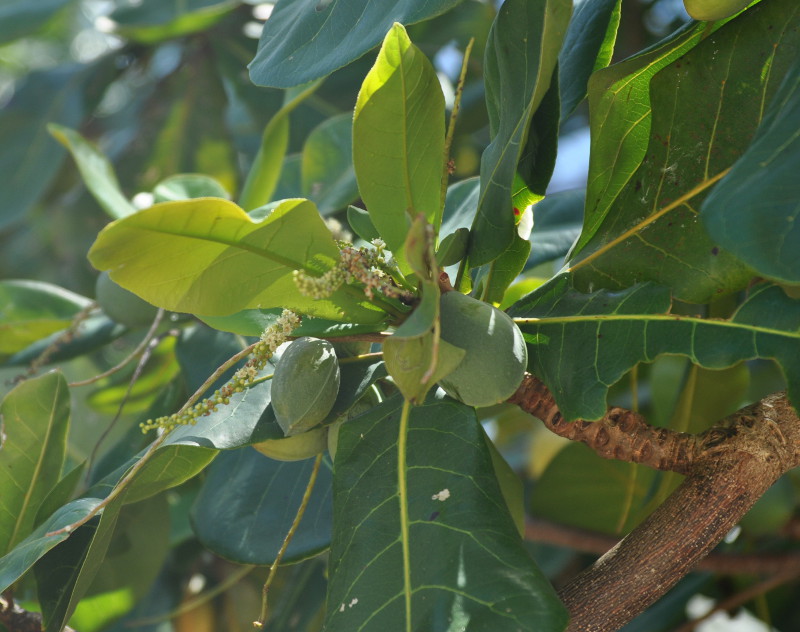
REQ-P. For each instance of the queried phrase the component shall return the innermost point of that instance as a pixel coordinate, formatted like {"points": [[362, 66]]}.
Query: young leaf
{"points": [[308, 39], [259, 514], [398, 139], [34, 420], [207, 256], [423, 533], [96, 170], [524, 36], [753, 211], [652, 231], [580, 344]]}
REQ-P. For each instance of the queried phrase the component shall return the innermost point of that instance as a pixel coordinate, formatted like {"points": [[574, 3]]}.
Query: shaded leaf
{"points": [[706, 106], [588, 46], [260, 513], [308, 39], [207, 256], [503, 271], [34, 421], [581, 344], [753, 211], [556, 225], [361, 223], [96, 170], [398, 139], [253, 322], [150, 21], [186, 186], [16, 563], [328, 177], [445, 515], [31, 310], [524, 36], [19, 18], [453, 248]]}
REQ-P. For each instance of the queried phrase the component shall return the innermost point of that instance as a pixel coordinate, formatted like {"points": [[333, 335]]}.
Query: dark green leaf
{"points": [[308, 39], [199, 255], [25, 554], [556, 225], [34, 420], [453, 248], [580, 344], [501, 273], [524, 36], [445, 515], [753, 211], [31, 310], [259, 514], [588, 46], [398, 139], [361, 223], [96, 170], [706, 106], [327, 165], [253, 322]]}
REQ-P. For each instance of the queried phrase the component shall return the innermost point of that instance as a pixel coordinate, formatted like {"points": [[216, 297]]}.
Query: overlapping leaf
{"points": [[259, 498], [753, 212], [207, 256], [581, 344], [645, 192], [431, 546], [398, 139], [308, 39], [521, 56], [34, 420]]}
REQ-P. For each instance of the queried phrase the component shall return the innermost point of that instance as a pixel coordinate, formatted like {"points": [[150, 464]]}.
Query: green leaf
{"points": [[588, 46], [30, 158], [706, 106], [207, 256], [31, 310], [398, 139], [431, 545], [34, 420], [556, 225], [580, 489], [16, 563], [651, 231], [308, 39], [502, 271], [361, 223], [328, 177], [96, 170], [187, 186], [580, 344], [453, 248], [260, 513], [19, 18], [264, 174], [524, 36], [151, 21], [253, 322], [753, 211]]}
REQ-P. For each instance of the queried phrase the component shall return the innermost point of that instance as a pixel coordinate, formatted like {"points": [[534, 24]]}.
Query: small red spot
{"points": [[516, 212]]}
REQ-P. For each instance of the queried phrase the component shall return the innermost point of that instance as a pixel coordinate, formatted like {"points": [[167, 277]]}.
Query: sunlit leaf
{"points": [[150, 21], [186, 186], [308, 39], [398, 139], [34, 420], [207, 256], [432, 545]]}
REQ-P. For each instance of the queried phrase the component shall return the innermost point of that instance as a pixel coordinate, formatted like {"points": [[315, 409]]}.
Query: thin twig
{"points": [[139, 349], [287, 540]]}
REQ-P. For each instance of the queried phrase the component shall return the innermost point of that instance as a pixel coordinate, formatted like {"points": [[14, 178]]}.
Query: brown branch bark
{"points": [[18, 620], [727, 469]]}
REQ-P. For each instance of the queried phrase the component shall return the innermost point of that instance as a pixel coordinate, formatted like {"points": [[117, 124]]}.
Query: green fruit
{"points": [[709, 10], [121, 305], [305, 384], [496, 356], [297, 447]]}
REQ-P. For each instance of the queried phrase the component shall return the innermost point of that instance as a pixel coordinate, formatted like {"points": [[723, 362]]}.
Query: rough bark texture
{"points": [[727, 469]]}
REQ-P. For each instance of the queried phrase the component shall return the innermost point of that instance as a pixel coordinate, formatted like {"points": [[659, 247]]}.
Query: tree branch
{"points": [[728, 468]]}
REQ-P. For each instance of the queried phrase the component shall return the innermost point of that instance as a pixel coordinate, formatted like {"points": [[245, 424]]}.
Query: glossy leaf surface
{"points": [[308, 39], [207, 256], [444, 514]]}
